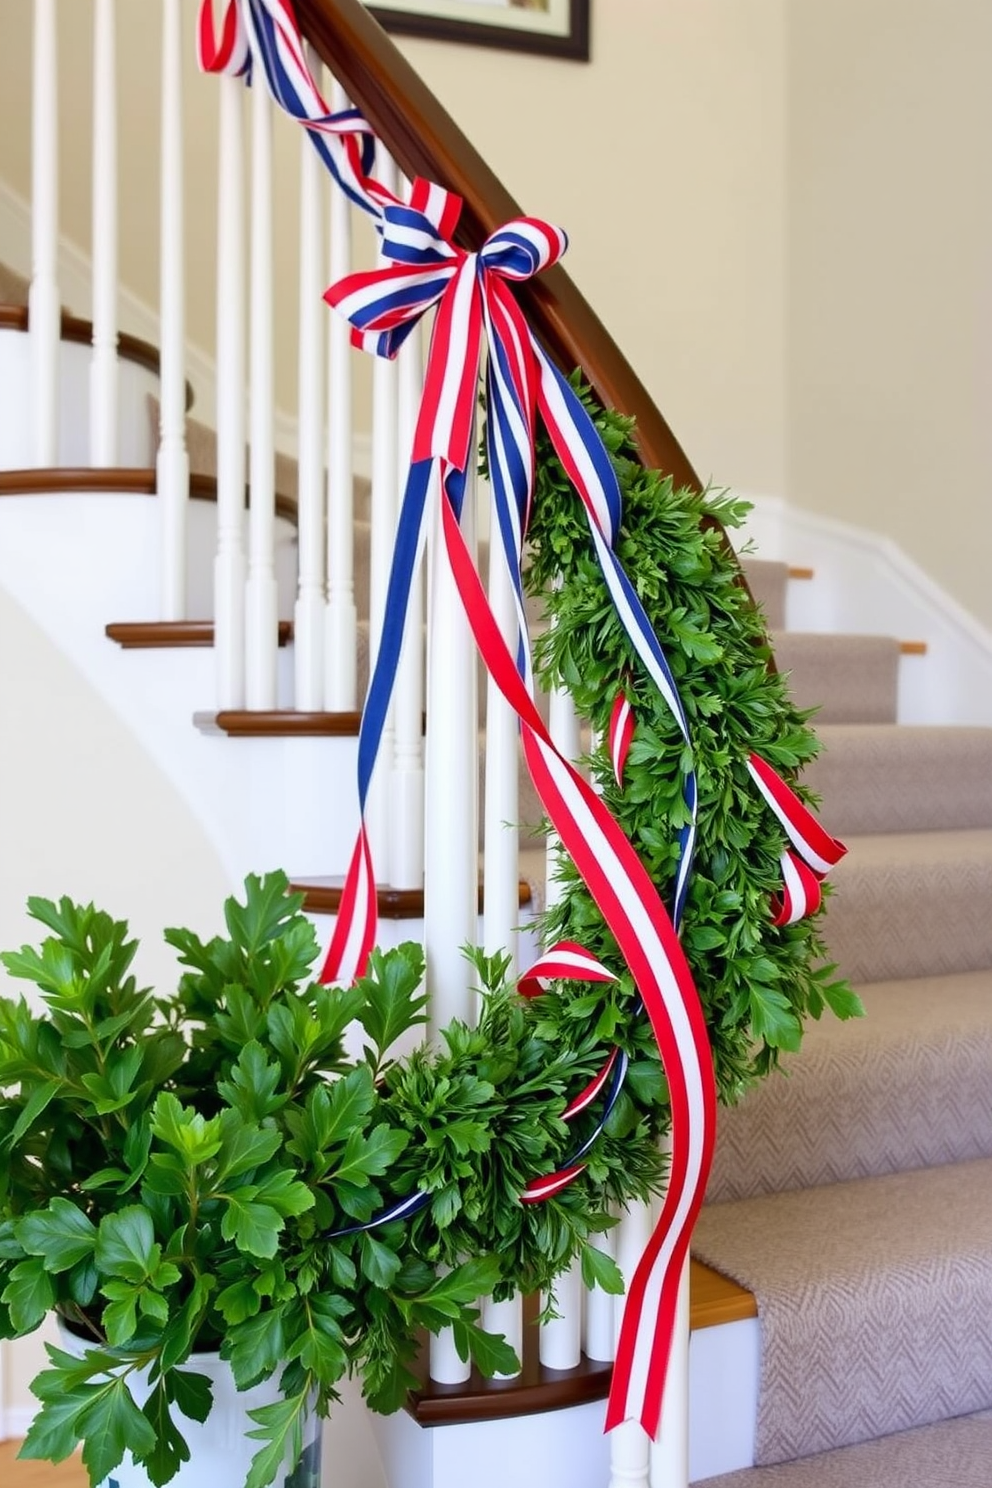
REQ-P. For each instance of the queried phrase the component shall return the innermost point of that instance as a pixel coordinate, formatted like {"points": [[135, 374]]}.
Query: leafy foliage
{"points": [[757, 982], [198, 1170], [188, 1172]]}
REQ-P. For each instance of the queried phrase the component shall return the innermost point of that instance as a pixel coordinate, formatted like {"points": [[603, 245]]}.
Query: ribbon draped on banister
{"points": [[475, 307]]}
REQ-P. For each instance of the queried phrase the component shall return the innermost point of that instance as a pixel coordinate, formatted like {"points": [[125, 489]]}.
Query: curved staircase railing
{"points": [[421, 140]]}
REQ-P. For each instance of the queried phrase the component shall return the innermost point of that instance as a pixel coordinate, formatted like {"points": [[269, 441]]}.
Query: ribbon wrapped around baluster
{"points": [[473, 298]]}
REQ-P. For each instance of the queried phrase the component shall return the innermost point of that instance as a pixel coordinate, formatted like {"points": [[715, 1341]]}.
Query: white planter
{"points": [[220, 1449]]}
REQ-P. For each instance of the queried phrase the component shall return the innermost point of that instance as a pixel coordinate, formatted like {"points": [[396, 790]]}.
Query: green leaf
{"points": [[29, 1294], [53, 1434], [193, 1393], [490, 1353], [393, 1002], [599, 1269], [280, 1427], [255, 1347], [253, 1084], [110, 1425], [61, 1233], [369, 1155], [254, 1227], [842, 1000], [126, 1245], [169, 1449], [379, 1264], [37, 1102]]}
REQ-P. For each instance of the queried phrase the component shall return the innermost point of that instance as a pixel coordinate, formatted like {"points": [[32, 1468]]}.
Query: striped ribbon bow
{"points": [[474, 300]]}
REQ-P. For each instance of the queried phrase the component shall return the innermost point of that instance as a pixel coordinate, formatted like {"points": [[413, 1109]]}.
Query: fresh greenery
{"points": [[195, 1170], [178, 1171], [757, 982]]}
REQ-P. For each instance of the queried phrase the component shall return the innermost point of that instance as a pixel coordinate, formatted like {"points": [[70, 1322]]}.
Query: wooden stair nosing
{"points": [[136, 480], [76, 328], [323, 896], [713, 1300], [134, 635], [278, 723]]}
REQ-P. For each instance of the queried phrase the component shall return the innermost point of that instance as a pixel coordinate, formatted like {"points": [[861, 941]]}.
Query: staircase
{"points": [[853, 1195]]}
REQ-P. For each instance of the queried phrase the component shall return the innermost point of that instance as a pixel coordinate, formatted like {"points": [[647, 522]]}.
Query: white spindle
{"points": [[451, 871], [103, 366], [561, 1336], [261, 596], [406, 820], [451, 857], [598, 1339], [630, 1447], [382, 515], [506, 1318], [172, 464], [230, 567], [670, 1450], [500, 874], [563, 723], [502, 811], [44, 310], [341, 620], [308, 629]]}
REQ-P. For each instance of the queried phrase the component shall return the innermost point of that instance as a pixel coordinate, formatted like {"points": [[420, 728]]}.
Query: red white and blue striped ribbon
{"points": [[265, 33], [472, 295]]}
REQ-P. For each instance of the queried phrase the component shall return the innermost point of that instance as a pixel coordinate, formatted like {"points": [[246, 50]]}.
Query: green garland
{"points": [[180, 1172]]}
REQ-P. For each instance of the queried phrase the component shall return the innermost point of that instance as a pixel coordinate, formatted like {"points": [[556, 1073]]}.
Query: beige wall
{"points": [[664, 161], [889, 362], [81, 805], [779, 207]]}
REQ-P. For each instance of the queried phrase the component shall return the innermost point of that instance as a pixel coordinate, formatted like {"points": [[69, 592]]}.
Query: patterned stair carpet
{"points": [[853, 1195], [952, 1454]]}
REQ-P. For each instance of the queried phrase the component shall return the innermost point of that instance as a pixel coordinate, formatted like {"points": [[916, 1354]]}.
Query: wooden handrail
{"points": [[425, 141]]}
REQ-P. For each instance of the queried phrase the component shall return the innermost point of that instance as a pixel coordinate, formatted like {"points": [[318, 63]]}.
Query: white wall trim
{"points": [[864, 581], [15, 1421], [137, 318]]}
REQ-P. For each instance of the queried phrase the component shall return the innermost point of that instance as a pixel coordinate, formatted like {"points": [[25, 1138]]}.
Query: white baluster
{"points": [[501, 841], [563, 723], [670, 1449], [308, 629], [103, 366], [341, 620], [172, 464], [451, 849], [406, 822], [561, 1337], [451, 856], [230, 566], [506, 1318], [383, 518], [44, 310], [598, 1339], [261, 596], [630, 1446], [500, 872]]}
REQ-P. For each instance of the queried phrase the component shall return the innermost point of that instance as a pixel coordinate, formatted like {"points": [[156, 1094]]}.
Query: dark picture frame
{"points": [[558, 28]]}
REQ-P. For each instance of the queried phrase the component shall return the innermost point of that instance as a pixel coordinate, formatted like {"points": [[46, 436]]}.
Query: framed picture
{"points": [[556, 28]]}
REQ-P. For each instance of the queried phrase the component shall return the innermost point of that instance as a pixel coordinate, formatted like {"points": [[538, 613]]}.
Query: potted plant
{"points": [[203, 1185]]}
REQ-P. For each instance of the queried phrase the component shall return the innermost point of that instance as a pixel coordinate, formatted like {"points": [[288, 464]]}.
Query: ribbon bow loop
{"points": [[522, 248]]}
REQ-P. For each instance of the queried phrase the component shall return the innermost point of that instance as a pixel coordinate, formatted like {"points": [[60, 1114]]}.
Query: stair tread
{"points": [[907, 1086], [886, 777], [847, 678], [853, 1281], [912, 904], [948, 1454]]}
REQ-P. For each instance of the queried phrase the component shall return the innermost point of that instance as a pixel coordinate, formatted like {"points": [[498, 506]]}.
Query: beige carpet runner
{"points": [[953, 1454], [853, 1196]]}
